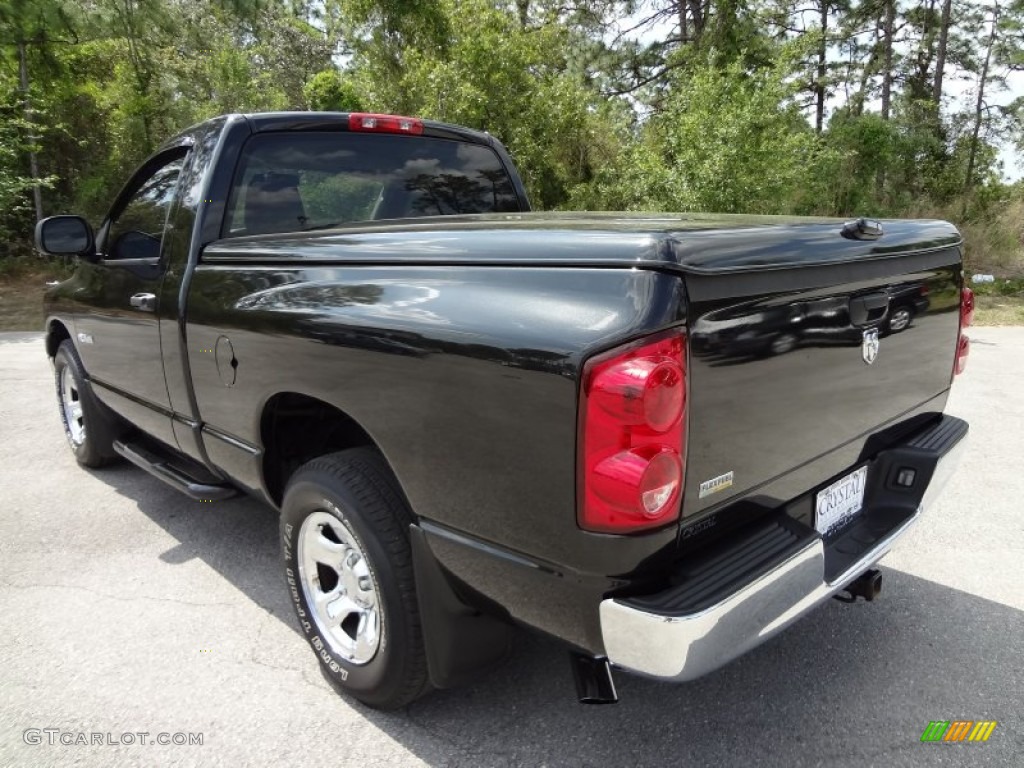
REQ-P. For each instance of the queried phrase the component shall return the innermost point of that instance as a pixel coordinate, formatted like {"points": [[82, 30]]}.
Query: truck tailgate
{"points": [[792, 359]]}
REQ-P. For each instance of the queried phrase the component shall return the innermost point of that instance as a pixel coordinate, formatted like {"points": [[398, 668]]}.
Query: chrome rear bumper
{"points": [[681, 648]]}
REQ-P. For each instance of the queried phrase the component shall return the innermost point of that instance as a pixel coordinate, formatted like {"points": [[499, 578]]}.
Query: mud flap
{"points": [[460, 640]]}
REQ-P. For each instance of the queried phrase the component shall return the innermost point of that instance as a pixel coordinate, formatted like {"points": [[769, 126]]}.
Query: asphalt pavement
{"points": [[127, 608]]}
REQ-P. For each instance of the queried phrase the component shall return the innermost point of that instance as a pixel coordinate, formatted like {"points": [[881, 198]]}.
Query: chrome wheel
{"points": [[71, 405], [900, 319], [340, 587]]}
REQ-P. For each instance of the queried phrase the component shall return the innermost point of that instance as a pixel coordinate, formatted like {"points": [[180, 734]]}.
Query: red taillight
{"points": [[963, 344], [632, 426], [966, 307], [963, 348], [364, 121]]}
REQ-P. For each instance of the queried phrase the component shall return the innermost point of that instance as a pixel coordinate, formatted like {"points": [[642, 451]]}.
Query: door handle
{"points": [[144, 301]]}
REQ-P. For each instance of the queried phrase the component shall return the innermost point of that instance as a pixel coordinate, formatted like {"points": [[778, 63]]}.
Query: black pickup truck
{"points": [[660, 438]]}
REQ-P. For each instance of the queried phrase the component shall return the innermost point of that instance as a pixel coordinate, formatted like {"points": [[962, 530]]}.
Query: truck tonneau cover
{"points": [[698, 243]]}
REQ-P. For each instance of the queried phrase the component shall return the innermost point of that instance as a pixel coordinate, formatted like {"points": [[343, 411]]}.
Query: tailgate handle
{"points": [[862, 229], [868, 309]]}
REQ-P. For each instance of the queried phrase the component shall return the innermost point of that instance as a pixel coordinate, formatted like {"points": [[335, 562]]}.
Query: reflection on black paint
{"points": [[311, 296], [767, 328]]}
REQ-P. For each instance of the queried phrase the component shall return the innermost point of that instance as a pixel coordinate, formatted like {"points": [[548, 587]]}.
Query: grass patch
{"points": [[993, 235], [999, 303], [999, 310], [1000, 287], [994, 243]]}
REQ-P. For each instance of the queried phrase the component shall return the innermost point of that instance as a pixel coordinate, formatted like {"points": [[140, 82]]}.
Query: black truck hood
{"points": [[696, 243]]}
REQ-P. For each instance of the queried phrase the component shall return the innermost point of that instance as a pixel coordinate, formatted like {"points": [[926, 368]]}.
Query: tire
{"points": [[344, 532], [89, 426]]}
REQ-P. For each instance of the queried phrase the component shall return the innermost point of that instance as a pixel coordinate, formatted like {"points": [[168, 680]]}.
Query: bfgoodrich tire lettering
{"points": [[356, 489]]}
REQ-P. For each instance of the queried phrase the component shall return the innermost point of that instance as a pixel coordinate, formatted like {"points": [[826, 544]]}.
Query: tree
{"points": [[940, 54], [31, 26], [327, 91], [725, 141], [16, 186], [497, 76], [828, 106], [979, 104]]}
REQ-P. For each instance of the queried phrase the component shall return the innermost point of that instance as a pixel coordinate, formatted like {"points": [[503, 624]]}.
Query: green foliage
{"points": [[718, 113], [726, 140], [732, 143], [863, 146], [15, 203], [16, 208], [994, 236], [388, 27], [499, 77], [327, 91], [1005, 287]]}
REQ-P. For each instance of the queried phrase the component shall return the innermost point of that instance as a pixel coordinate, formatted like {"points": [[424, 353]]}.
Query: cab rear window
{"points": [[293, 182]]}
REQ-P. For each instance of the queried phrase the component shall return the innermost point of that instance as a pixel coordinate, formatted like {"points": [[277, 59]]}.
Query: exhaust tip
{"points": [[873, 586], [593, 676]]}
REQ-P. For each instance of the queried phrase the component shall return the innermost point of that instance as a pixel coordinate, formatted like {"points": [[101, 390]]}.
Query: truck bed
{"points": [[779, 390]]}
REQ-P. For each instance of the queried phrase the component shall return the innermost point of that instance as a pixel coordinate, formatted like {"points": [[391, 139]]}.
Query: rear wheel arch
{"points": [[462, 632], [296, 428]]}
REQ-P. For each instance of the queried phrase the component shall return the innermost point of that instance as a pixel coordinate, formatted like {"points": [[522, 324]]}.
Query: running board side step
{"points": [[161, 467]]}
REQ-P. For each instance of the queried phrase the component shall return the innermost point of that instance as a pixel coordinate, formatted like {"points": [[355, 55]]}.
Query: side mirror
{"points": [[65, 236]]}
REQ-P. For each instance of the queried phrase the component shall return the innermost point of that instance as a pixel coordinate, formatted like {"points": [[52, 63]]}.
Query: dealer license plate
{"points": [[840, 501]]}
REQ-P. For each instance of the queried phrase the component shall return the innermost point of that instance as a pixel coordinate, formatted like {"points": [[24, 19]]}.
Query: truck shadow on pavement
{"points": [[847, 685]]}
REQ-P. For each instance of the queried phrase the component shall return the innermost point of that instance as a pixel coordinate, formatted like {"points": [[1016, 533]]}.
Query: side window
{"points": [[137, 230]]}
